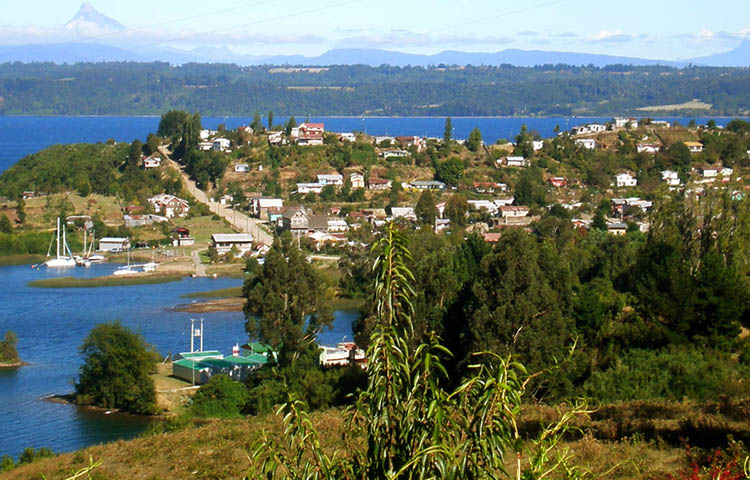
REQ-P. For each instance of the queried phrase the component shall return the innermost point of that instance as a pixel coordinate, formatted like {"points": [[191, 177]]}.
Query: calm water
{"points": [[51, 324], [20, 136]]}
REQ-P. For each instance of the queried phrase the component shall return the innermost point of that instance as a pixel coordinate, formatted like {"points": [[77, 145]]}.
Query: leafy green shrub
{"points": [[672, 374], [221, 397]]}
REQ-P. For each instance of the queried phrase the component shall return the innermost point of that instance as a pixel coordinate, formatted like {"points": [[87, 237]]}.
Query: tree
{"points": [[410, 425], [455, 209], [290, 125], [450, 171], [5, 226], [474, 142], [270, 120], [21, 210], [152, 144], [425, 210], [8, 351], [256, 124], [448, 132], [220, 397], [171, 122], [287, 303], [115, 371], [134, 153]]}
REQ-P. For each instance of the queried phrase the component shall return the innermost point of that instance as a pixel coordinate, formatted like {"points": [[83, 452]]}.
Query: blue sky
{"points": [[663, 29]]}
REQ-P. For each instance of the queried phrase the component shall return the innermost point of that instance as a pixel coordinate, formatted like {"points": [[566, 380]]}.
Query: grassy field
{"points": [[20, 260], [71, 282], [691, 105], [218, 449], [38, 209], [201, 228]]}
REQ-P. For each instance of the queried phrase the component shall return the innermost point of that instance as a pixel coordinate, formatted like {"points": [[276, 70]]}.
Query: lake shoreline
{"points": [[9, 366]]}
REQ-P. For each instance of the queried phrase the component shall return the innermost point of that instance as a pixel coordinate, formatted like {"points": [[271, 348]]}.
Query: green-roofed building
{"points": [[197, 368]]}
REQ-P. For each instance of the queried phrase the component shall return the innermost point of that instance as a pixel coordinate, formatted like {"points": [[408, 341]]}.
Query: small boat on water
{"points": [[60, 260], [126, 269]]}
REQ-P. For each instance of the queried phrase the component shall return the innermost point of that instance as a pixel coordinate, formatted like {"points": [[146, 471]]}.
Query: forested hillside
{"points": [[222, 89]]}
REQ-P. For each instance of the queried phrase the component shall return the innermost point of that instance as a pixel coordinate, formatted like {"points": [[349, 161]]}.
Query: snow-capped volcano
{"points": [[88, 21]]}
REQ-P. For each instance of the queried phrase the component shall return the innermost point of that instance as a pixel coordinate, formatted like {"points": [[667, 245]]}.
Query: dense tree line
{"points": [[152, 88]]}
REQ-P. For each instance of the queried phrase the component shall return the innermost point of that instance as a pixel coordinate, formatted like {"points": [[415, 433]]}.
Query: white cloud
{"points": [[405, 38], [610, 36], [706, 35]]}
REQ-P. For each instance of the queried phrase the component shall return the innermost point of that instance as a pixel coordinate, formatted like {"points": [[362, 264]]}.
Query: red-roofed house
{"points": [[310, 134]]}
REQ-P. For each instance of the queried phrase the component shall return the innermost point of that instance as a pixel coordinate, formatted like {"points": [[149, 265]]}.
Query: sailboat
{"points": [[82, 260], [61, 247], [150, 266], [125, 269]]}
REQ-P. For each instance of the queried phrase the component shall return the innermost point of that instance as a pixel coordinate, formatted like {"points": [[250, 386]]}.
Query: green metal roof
{"points": [[193, 365], [199, 355], [259, 347]]}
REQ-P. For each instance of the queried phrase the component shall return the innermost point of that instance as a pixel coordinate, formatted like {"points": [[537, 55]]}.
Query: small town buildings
{"points": [[379, 184], [489, 187], [427, 185], [694, 147], [309, 187], [260, 206], [206, 134], [517, 162], [407, 213], [205, 146], [442, 224], [486, 205], [384, 140], [198, 367], [726, 172], [221, 144], [617, 228], [620, 122], [224, 242], [514, 211], [27, 194], [412, 141], [241, 168], [295, 220], [398, 153], [331, 179], [587, 143], [708, 171], [670, 177], [169, 205], [625, 180], [647, 148], [336, 225], [347, 137], [558, 182], [504, 201], [114, 244], [132, 221], [596, 127], [357, 180], [151, 162], [181, 237], [310, 134], [275, 138], [537, 145]]}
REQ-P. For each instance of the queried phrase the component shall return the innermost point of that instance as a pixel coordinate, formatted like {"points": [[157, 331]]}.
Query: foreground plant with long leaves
{"points": [[406, 424]]}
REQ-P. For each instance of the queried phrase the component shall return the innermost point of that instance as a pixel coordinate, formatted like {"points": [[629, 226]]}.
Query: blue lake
{"points": [[52, 323]]}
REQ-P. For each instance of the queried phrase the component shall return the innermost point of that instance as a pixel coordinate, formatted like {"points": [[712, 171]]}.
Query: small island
{"points": [[8, 354]]}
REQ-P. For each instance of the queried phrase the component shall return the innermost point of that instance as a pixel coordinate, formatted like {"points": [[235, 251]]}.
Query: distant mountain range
{"points": [[88, 21]]}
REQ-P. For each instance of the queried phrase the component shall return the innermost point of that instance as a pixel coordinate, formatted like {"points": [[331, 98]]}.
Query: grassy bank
{"points": [[20, 259], [218, 449], [219, 293], [70, 282]]}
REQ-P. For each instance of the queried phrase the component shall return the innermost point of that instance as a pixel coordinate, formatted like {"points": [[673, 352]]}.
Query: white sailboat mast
{"points": [[58, 238]]}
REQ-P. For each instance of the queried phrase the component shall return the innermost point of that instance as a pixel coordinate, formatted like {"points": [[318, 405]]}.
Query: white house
{"points": [[504, 201], [624, 122], [151, 162], [114, 244], [514, 211], [309, 187], [331, 179], [380, 139], [394, 153], [357, 180], [221, 144], [427, 185], [275, 138], [517, 162], [310, 134], [537, 145], [379, 184], [347, 137], [625, 180], [695, 147], [337, 225], [169, 205], [260, 206], [670, 177], [647, 148], [708, 171], [205, 134], [407, 213], [726, 172], [223, 242], [587, 143], [489, 206], [241, 168], [596, 127]]}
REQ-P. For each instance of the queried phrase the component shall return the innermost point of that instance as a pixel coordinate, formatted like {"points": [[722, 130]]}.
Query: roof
{"points": [[694, 144], [378, 181], [232, 237], [257, 347], [318, 222], [113, 240]]}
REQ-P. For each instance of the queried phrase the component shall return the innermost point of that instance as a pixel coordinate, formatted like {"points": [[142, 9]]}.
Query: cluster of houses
{"points": [[356, 179]]}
